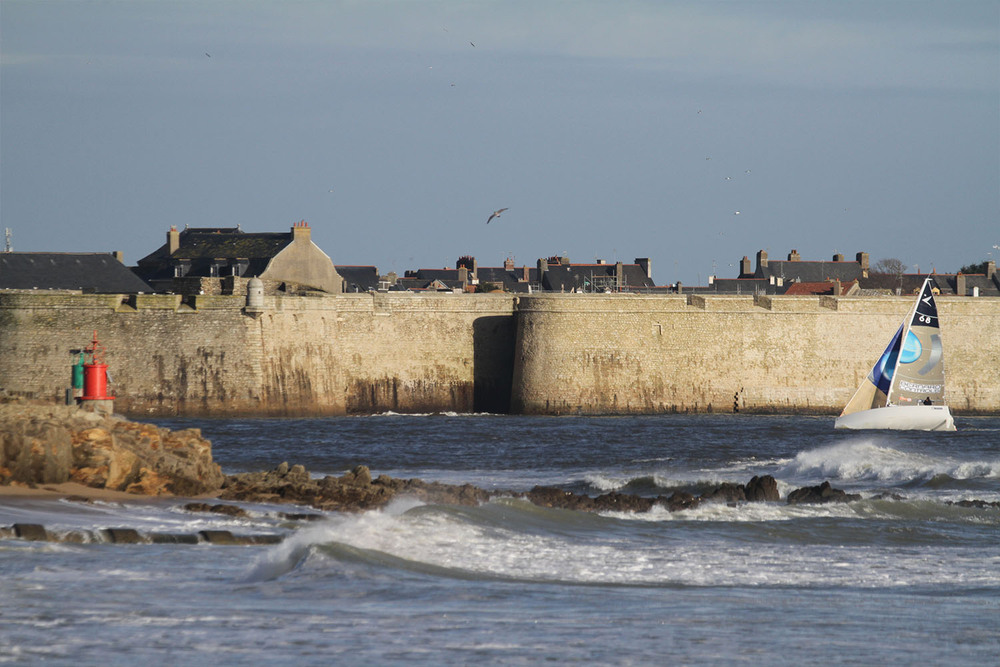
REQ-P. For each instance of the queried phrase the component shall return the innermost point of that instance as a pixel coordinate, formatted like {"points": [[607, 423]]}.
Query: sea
{"points": [[903, 576]]}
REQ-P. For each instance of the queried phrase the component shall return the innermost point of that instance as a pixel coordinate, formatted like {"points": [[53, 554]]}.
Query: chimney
{"points": [[838, 257], [991, 269], [463, 275], [173, 240], [301, 232], [543, 266], [644, 264], [119, 255], [761, 259], [793, 256], [619, 275], [862, 259], [680, 288], [837, 290], [745, 268], [960, 289], [508, 264], [527, 273]]}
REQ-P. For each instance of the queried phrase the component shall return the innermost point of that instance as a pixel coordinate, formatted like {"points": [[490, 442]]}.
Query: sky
{"points": [[692, 133]]}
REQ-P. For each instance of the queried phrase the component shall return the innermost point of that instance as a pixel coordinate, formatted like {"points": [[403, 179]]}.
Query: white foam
{"points": [[442, 540], [864, 459]]}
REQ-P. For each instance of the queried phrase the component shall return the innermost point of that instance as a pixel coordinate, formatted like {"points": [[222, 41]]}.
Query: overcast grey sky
{"points": [[690, 132]]}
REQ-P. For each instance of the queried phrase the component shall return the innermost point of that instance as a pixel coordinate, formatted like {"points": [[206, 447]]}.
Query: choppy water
{"points": [[869, 582]]}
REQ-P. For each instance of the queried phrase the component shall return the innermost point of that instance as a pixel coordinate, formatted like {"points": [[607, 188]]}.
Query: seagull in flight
{"points": [[495, 214]]}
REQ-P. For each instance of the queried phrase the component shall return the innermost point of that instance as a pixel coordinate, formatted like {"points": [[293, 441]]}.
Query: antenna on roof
{"points": [[8, 247]]}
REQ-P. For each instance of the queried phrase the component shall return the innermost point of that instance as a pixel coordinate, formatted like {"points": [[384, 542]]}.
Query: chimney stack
{"points": [[301, 232], [761, 258], [862, 259], [173, 240], [793, 256], [645, 265]]}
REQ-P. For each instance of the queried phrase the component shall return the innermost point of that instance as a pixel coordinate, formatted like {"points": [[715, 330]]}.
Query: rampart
{"points": [[630, 354], [538, 354], [299, 356]]}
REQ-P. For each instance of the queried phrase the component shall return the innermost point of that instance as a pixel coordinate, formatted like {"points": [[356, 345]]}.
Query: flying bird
{"points": [[495, 214]]}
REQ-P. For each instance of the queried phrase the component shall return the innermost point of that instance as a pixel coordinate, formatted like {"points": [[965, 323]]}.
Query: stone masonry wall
{"points": [[539, 354], [204, 355], [622, 354]]}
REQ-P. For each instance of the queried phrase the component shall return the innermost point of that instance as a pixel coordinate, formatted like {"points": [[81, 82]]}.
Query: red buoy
{"points": [[95, 373]]}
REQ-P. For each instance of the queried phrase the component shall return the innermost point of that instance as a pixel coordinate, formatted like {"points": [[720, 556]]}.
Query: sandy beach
{"points": [[14, 492]]}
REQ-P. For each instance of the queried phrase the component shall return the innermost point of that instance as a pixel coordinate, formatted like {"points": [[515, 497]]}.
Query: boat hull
{"points": [[900, 418]]}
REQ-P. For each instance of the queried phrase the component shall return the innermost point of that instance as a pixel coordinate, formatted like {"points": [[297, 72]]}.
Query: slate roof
{"points": [[809, 271], [359, 278], [946, 283], [200, 247], [97, 272], [818, 288], [589, 277]]}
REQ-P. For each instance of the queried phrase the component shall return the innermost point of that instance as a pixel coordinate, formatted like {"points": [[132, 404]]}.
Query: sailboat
{"points": [[905, 388]]}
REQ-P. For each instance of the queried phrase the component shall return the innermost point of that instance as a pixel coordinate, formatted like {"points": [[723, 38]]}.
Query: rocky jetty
{"points": [[353, 491], [356, 490], [53, 444], [758, 489]]}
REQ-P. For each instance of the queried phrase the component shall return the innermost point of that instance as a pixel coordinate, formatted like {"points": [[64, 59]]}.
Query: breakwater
{"points": [[537, 354]]}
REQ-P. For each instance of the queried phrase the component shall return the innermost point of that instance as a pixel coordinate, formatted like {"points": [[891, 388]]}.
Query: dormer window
{"points": [[181, 268]]}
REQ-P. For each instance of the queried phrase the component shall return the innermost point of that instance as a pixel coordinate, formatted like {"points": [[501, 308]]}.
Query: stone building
{"points": [[220, 260]]}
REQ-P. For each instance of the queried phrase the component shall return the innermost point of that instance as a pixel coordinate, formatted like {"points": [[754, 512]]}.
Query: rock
{"points": [[824, 493], [978, 504], [51, 444], [218, 508], [34, 449], [888, 496], [360, 476], [762, 489], [680, 500], [727, 492]]}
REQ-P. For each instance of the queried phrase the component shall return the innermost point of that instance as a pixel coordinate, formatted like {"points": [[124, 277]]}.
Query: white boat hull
{"points": [[900, 417]]}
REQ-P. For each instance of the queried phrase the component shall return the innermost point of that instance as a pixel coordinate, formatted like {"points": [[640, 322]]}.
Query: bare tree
{"points": [[889, 266]]}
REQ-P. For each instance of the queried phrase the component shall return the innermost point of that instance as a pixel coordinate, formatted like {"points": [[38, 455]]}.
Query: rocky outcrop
{"points": [[353, 491], [52, 444], [356, 490], [824, 493]]}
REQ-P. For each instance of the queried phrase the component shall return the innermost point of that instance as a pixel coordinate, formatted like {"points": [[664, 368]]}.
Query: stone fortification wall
{"points": [[650, 354], [539, 354], [204, 355]]}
